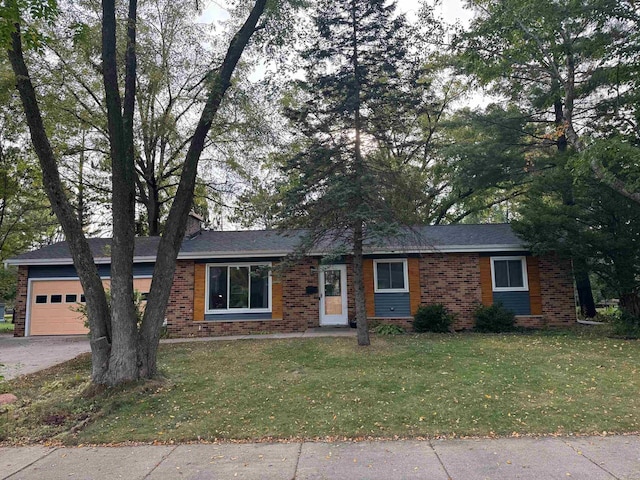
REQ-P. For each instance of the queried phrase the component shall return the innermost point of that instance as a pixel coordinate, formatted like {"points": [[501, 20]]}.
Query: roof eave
{"points": [[69, 261], [281, 253]]}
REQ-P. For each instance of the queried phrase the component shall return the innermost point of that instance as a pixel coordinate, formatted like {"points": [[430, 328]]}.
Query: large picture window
{"points": [[238, 288], [390, 276], [509, 273]]}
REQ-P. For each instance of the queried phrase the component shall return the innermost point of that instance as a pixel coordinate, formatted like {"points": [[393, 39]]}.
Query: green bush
{"points": [[433, 318], [495, 318], [626, 325], [388, 329]]}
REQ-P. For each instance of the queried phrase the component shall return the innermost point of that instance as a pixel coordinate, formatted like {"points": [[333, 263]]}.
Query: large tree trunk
{"points": [[97, 307], [585, 293], [581, 272], [173, 235], [630, 303], [123, 359], [153, 210], [358, 223], [358, 285]]}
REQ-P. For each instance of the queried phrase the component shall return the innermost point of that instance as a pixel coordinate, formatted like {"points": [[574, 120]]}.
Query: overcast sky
{"points": [[450, 10]]}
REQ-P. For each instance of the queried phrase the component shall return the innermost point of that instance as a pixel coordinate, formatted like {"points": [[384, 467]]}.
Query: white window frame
{"points": [[390, 290], [525, 274], [227, 310]]}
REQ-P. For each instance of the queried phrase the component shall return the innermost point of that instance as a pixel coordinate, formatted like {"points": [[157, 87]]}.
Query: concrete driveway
{"points": [[20, 355]]}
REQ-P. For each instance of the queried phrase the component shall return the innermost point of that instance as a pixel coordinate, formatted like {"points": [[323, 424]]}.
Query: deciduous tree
{"points": [[121, 351]]}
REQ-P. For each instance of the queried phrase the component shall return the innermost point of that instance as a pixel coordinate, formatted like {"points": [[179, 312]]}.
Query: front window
{"points": [[509, 273], [390, 276], [238, 288]]}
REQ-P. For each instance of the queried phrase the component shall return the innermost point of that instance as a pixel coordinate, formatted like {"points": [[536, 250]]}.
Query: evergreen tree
{"points": [[353, 79]]}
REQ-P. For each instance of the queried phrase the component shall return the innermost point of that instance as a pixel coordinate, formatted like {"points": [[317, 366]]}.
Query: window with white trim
{"points": [[238, 288], [390, 276], [509, 274]]}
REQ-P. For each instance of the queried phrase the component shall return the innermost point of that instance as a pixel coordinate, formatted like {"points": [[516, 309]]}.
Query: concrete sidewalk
{"points": [[614, 457]]}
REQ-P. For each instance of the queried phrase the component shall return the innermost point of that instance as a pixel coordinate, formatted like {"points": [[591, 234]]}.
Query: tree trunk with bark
{"points": [[362, 326], [120, 351], [630, 303], [581, 272], [585, 294], [97, 307], [122, 361]]}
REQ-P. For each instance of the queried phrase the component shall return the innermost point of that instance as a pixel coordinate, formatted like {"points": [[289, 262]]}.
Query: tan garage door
{"points": [[53, 304]]}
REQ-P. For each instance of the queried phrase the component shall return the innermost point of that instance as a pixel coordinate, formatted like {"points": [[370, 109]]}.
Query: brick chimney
{"points": [[194, 225]]}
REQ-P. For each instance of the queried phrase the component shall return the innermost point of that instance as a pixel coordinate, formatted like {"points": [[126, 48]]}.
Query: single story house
{"points": [[228, 283]]}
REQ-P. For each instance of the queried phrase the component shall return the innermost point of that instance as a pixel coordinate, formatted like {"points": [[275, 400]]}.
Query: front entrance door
{"points": [[333, 295]]}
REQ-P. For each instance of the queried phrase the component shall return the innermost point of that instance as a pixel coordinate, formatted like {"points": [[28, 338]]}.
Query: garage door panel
{"points": [[62, 318], [55, 318]]}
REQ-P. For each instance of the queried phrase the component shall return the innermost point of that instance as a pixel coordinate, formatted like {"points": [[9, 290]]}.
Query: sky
{"points": [[450, 10]]}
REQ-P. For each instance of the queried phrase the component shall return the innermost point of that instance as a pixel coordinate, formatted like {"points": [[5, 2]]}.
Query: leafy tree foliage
{"points": [[570, 64], [599, 227], [562, 64]]}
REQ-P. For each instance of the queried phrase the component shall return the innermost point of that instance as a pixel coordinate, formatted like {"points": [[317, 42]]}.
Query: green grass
{"points": [[6, 327], [426, 385]]}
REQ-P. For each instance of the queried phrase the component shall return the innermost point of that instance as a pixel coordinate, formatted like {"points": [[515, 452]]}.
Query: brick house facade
{"points": [[539, 289], [450, 279]]}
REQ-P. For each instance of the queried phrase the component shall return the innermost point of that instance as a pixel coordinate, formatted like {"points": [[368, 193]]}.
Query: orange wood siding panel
{"points": [[199, 282], [414, 284], [535, 295], [369, 296], [486, 286], [276, 298]]}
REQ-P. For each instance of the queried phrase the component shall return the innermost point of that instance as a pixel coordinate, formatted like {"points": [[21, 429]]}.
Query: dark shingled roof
{"points": [[268, 242], [100, 247]]}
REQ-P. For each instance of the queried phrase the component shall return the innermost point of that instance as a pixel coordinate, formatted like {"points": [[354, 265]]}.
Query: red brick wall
{"points": [[20, 303], [556, 289], [180, 307], [452, 279], [300, 309], [531, 321]]}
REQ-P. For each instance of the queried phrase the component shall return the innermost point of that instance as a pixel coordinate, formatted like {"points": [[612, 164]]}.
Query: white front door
{"points": [[333, 295]]}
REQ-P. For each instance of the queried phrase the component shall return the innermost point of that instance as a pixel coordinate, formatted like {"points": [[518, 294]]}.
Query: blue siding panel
{"points": [[237, 316], [69, 271], [392, 305], [517, 302]]}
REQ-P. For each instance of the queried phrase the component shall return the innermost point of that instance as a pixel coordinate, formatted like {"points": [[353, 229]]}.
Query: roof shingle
{"points": [[484, 237]]}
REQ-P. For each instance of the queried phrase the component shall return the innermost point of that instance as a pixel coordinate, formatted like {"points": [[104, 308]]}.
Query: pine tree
{"points": [[353, 78]]}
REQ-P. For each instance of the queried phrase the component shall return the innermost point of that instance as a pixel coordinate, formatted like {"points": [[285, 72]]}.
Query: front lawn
{"points": [[6, 327], [426, 385]]}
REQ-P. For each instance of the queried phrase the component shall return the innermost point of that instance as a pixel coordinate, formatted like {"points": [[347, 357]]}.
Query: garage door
{"points": [[53, 304]]}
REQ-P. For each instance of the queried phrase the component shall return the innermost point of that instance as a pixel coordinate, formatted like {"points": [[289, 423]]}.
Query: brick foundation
{"points": [[20, 303], [526, 321], [406, 323]]}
